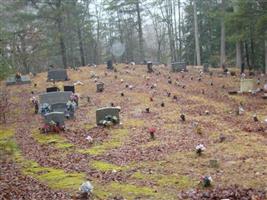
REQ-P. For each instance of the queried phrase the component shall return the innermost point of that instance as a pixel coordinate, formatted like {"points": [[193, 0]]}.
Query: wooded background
{"points": [[69, 33]]}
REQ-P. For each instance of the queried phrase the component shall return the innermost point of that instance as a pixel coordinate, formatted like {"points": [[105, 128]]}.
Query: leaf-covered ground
{"points": [[123, 162]]}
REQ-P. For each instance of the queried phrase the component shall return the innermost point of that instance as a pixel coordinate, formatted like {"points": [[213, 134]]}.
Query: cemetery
{"points": [[142, 135], [133, 100]]}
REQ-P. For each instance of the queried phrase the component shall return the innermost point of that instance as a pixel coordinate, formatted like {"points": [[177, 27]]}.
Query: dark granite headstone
{"points": [[109, 64], [103, 112], [57, 117], [69, 88], [54, 97], [100, 87], [21, 81], [178, 66], [57, 75], [52, 89]]}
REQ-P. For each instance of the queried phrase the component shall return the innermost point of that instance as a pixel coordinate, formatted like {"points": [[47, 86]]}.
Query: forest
{"points": [[35, 34]]}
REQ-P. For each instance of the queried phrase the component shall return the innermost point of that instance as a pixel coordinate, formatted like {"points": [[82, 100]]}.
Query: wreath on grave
{"points": [[109, 120], [45, 108]]}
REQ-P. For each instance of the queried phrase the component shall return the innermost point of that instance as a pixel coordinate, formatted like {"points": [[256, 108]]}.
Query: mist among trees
{"points": [[69, 33]]}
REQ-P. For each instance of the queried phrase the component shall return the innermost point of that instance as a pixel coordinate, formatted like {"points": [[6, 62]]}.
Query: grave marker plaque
{"points": [[57, 75], [58, 107]]}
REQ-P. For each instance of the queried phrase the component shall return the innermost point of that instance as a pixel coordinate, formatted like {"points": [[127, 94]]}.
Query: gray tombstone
{"points": [[206, 67], [110, 64], [150, 67], [58, 107], [57, 117], [100, 87], [178, 66], [103, 112], [54, 97], [57, 75], [21, 81]]}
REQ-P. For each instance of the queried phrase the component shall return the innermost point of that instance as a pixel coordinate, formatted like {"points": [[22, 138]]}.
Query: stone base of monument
{"points": [[232, 92], [21, 81]]}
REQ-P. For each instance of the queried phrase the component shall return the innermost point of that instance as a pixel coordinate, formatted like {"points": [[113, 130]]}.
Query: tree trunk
{"points": [[238, 54], [223, 57], [140, 32], [266, 56], [61, 35], [180, 38], [81, 44], [196, 34]]}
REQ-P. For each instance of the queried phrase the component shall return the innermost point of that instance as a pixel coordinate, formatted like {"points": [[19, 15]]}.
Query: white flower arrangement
{"points": [[200, 148], [89, 138], [86, 187]]}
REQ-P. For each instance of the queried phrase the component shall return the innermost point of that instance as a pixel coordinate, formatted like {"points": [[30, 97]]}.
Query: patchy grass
{"points": [[54, 178], [105, 166], [117, 138], [128, 191], [51, 139]]}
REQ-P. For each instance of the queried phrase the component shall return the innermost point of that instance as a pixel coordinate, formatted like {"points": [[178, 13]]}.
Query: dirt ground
{"points": [[123, 162]]}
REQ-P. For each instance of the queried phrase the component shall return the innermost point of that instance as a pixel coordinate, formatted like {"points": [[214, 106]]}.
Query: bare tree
{"points": [[196, 33], [223, 56]]}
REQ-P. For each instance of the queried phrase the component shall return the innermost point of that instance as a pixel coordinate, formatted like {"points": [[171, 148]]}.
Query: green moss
{"points": [[54, 178], [128, 191], [55, 139], [117, 138], [104, 166]]}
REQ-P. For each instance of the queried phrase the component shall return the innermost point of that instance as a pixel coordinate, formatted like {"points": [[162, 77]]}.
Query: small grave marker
{"points": [[57, 117], [104, 113]]}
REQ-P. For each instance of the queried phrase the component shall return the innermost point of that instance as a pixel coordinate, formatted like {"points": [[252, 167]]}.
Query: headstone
{"points": [[109, 64], [52, 89], [206, 67], [57, 75], [54, 97], [149, 67], [58, 107], [247, 85], [103, 112], [57, 117], [22, 80], [179, 66], [69, 88], [100, 87]]}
